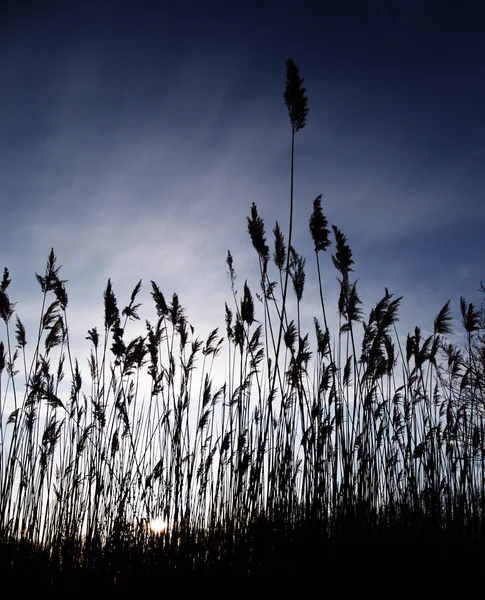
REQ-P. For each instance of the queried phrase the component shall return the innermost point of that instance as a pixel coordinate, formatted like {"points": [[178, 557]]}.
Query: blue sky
{"points": [[134, 137]]}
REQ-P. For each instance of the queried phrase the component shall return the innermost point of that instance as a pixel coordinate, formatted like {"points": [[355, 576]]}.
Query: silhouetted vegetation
{"points": [[319, 448]]}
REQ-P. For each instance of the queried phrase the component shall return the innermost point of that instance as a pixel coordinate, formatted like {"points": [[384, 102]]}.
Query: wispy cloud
{"points": [[137, 162]]}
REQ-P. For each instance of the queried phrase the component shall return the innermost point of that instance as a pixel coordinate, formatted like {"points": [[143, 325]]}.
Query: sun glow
{"points": [[158, 525]]}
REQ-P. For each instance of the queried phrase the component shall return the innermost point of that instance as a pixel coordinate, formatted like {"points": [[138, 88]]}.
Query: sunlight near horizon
{"points": [[158, 525]]}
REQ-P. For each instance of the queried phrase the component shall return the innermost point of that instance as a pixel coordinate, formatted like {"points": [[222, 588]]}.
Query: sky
{"points": [[134, 137]]}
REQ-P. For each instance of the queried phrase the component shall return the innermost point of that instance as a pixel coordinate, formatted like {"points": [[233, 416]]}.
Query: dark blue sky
{"points": [[134, 137]]}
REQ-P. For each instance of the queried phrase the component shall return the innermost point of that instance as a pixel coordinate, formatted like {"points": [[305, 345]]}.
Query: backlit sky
{"points": [[134, 137]]}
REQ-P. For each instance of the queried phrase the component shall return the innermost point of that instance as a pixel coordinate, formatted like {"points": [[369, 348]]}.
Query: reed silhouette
{"points": [[320, 446]]}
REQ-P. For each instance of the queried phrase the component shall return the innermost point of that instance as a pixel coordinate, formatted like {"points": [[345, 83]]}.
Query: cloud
{"points": [[135, 162]]}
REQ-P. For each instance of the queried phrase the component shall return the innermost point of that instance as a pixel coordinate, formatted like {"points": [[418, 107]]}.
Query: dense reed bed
{"points": [[319, 445]]}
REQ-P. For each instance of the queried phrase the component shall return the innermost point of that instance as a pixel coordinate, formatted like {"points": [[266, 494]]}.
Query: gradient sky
{"points": [[134, 137]]}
